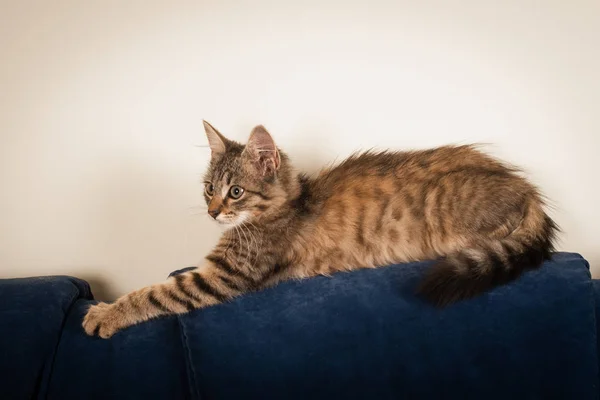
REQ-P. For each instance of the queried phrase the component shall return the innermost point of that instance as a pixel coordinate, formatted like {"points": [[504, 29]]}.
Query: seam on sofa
{"points": [[595, 332], [592, 300], [38, 390], [191, 374]]}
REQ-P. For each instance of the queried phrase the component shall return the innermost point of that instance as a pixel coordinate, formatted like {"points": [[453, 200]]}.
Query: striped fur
{"points": [[481, 219]]}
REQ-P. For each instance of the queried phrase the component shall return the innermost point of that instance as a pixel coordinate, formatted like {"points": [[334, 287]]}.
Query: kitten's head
{"points": [[245, 182]]}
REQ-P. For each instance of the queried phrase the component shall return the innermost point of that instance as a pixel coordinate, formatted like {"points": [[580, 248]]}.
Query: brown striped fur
{"points": [[483, 222]]}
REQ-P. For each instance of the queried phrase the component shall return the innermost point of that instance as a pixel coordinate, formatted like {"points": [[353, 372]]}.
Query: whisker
{"points": [[226, 252], [247, 242], [241, 226], [238, 234], [254, 240]]}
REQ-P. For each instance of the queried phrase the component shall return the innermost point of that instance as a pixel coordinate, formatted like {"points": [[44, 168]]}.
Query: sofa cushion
{"points": [[32, 315], [355, 335], [364, 335], [146, 361]]}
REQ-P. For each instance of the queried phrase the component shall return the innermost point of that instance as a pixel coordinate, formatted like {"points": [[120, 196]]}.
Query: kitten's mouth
{"points": [[231, 219], [227, 220]]}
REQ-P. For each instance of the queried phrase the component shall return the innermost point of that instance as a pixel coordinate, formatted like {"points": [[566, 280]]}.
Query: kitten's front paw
{"points": [[102, 320]]}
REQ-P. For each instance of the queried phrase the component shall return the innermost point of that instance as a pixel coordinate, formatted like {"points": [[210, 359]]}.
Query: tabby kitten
{"points": [[483, 222]]}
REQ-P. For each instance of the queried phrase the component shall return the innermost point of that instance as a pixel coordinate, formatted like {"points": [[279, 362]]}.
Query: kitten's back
{"points": [[454, 202]]}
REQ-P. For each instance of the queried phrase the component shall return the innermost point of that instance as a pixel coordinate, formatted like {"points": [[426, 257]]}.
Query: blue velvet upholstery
{"points": [[358, 335]]}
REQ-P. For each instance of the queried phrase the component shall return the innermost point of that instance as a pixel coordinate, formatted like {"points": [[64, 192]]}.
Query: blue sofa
{"points": [[358, 335]]}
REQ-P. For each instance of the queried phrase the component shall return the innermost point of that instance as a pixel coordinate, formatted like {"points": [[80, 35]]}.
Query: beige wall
{"points": [[101, 106]]}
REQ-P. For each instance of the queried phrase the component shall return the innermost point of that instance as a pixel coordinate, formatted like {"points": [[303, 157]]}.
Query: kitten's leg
{"points": [[214, 283]]}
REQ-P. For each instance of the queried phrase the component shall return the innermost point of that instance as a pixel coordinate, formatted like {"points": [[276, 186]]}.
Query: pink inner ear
{"points": [[261, 139], [268, 165], [263, 150], [265, 162]]}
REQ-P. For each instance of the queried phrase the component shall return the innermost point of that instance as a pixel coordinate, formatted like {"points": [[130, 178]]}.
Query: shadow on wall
{"points": [[594, 264], [101, 288]]}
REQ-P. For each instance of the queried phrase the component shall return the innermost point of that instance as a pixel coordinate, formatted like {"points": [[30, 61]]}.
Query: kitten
{"points": [[483, 222]]}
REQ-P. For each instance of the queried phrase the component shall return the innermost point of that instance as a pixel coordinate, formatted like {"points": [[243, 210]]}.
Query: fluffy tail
{"points": [[480, 268]]}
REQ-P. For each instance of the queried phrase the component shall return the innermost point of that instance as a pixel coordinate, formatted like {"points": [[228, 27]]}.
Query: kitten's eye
{"points": [[209, 188], [236, 192]]}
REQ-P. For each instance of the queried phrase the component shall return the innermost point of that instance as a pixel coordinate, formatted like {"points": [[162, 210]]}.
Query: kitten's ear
{"points": [[216, 141], [262, 151]]}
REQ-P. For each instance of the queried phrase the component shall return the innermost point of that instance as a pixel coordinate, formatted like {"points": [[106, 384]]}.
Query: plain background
{"points": [[101, 104]]}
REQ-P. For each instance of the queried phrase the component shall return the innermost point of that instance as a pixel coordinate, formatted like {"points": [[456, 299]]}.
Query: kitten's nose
{"points": [[214, 213]]}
